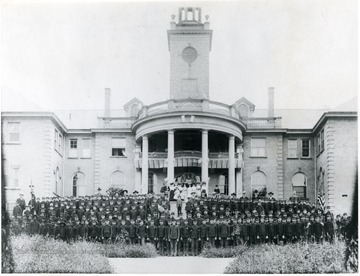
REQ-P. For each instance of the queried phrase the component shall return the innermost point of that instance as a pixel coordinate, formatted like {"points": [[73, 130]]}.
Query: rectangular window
{"points": [[318, 144], [118, 146], [258, 147], [322, 143], [86, 144], [73, 151], [16, 176], [14, 132], [292, 148], [300, 191], [305, 148]]}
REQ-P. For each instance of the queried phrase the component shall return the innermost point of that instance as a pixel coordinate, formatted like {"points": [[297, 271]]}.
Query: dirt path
{"points": [[174, 265]]}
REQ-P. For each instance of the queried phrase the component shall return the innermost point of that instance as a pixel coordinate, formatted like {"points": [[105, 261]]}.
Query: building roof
{"points": [[291, 118]]}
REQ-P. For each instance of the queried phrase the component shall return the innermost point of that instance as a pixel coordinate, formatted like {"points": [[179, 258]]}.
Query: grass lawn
{"points": [[290, 259], [39, 255]]}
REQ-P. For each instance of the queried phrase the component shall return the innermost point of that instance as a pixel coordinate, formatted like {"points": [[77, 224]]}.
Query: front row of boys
{"points": [[191, 235]]}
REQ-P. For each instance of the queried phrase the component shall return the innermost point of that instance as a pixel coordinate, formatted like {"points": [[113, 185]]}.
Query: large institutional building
{"points": [[188, 138]]}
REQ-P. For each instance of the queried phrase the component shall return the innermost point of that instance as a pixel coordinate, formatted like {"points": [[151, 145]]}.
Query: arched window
{"points": [[258, 181], [151, 182], [117, 180], [224, 183], [78, 184], [299, 182]]}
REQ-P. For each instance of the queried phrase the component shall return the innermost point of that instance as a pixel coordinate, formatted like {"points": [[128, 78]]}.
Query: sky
{"points": [[62, 55]]}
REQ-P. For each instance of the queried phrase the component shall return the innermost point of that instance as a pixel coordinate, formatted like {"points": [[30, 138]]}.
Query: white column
{"points": [[239, 183], [205, 158], [171, 156], [145, 165], [231, 165]]}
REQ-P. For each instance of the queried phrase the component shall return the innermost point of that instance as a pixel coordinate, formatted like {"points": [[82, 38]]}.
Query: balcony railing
{"points": [[188, 105], [115, 122], [265, 122], [189, 153]]}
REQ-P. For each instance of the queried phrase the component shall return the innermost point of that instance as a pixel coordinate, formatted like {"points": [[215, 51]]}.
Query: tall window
{"points": [[299, 182], [14, 132], [305, 148], [60, 143], [118, 146], [117, 180], [322, 143], [57, 141], [73, 151], [151, 182], [86, 144], [292, 148], [78, 184], [258, 147], [224, 183], [56, 137], [318, 144], [16, 176], [258, 181]]}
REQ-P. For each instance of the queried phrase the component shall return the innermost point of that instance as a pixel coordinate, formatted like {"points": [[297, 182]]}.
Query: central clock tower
{"points": [[189, 45]]}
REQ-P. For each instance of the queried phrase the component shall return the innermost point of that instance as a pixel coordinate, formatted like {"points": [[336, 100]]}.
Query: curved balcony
{"points": [[188, 158], [188, 105]]}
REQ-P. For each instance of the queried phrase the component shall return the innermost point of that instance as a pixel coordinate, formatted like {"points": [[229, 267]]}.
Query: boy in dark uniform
{"points": [[329, 229], [195, 237], [93, 231], [173, 237], [318, 229], [280, 230], [151, 233], [184, 237], [34, 226], [131, 229], [52, 229], [262, 230], [288, 230], [61, 232], [224, 232], [141, 232], [17, 211], [106, 232], [252, 227], [271, 230], [310, 230], [204, 234], [213, 232], [162, 236]]}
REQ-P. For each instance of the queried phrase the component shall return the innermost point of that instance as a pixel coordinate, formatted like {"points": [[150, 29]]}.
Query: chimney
{"points": [[271, 102], [107, 102]]}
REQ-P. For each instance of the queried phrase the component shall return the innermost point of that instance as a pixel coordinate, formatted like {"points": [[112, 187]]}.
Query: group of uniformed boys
{"points": [[137, 219]]}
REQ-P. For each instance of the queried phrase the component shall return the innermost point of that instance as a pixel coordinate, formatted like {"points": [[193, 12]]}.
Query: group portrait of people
{"points": [[174, 224]]}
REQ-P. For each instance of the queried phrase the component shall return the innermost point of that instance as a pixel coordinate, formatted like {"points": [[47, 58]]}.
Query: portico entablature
{"points": [[188, 120]]}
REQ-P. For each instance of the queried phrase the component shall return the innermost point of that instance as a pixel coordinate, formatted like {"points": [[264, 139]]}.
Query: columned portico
{"points": [[205, 158], [171, 156], [145, 165], [231, 165]]}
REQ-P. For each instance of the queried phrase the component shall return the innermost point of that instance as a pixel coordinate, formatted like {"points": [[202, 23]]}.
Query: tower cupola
{"points": [[189, 45]]}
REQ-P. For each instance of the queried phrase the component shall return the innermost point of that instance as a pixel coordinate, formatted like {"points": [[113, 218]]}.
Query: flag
{"points": [[321, 196]]}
